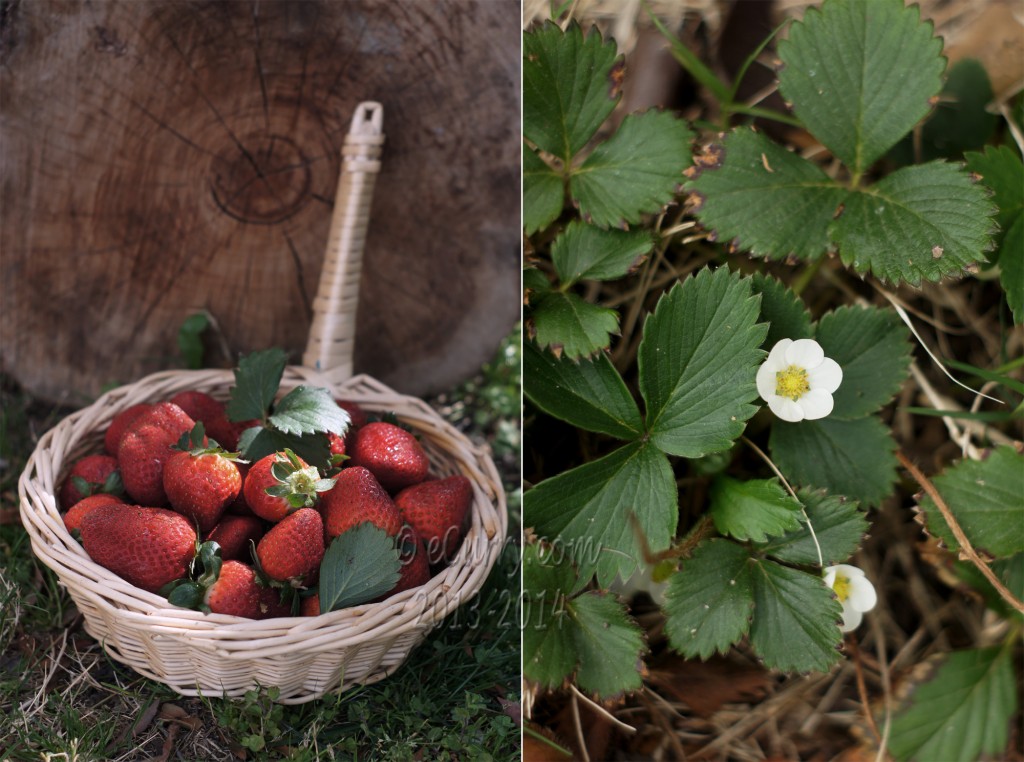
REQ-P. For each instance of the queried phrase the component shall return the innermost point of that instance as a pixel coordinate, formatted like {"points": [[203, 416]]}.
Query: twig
{"points": [[862, 688], [579, 729], [884, 670], [966, 549], [602, 711]]}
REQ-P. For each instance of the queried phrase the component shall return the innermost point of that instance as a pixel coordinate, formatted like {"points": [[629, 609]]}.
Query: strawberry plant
{"points": [[716, 335]]}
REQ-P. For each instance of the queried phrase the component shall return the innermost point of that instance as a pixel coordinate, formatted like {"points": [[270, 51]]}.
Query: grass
{"points": [[455, 698]]}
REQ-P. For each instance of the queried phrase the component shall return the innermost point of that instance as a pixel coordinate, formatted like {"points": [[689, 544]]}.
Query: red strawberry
{"points": [[77, 512], [272, 604], [415, 569], [294, 547], [233, 534], [201, 482], [120, 424], [235, 592], [213, 413], [337, 443], [280, 483], [391, 454], [357, 497], [437, 510], [141, 457], [148, 547], [165, 415], [310, 605], [89, 476]]}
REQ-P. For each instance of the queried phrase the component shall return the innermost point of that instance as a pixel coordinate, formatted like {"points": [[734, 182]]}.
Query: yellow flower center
{"points": [[792, 383], [842, 587]]}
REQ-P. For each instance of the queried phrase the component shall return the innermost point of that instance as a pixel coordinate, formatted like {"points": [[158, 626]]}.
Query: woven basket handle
{"points": [[332, 333]]}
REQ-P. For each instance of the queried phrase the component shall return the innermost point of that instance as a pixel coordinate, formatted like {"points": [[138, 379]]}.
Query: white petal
{"points": [[805, 353], [862, 594], [829, 575], [785, 408], [826, 376], [817, 403], [848, 571], [777, 356], [851, 618], [766, 383]]}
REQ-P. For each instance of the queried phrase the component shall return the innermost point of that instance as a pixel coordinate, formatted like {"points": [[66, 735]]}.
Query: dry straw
{"points": [[305, 657]]}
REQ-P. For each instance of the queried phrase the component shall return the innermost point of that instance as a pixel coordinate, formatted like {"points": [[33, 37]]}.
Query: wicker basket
{"points": [[212, 654]]}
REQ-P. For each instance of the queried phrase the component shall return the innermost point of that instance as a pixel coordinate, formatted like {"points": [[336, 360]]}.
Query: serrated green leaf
{"points": [[635, 172], [860, 74], [795, 619], [359, 565], [1011, 266], [1002, 172], [535, 283], [784, 311], [609, 645], [586, 510], [589, 394], [697, 363], [852, 458], [770, 201], [543, 192], [546, 571], [985, 497], [307, 410], [567, 88], [586, 252], [258, 442], [872, 346], [566, 323], [960, 122], [838, 527], [961, 712], [549, 653], [922, 222], [257, 379], [710, 599], [752, 510]]}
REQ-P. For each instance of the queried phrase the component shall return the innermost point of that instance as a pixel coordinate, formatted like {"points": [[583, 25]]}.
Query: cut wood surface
{"points": [[161, 158]]}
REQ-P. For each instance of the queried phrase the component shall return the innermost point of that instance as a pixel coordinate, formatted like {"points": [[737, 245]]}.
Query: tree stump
{"points": [[161, 158]]}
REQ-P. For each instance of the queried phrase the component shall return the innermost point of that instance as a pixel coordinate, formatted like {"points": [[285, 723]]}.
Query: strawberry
{"points": [[415, 569], [201, 481], [88, 476], [391, 454], [310, 605], [293, 548], [280, 483], [437, 510], [273, 603], [77, 512], [213, 413], [148, 547], [146, 446], [120, 423], [357, 497], [233, 534], [236, 591]]}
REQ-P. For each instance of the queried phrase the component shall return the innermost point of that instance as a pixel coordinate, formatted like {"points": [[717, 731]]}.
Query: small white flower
{"points": [[853, 590], [797, 380]]}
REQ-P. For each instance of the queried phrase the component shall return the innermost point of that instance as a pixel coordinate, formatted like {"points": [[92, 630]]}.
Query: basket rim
{"points": [[232, 636]]}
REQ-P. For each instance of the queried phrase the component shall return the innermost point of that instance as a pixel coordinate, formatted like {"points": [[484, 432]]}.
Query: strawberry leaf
{"points": [[308, 410], [257, 378], [359, 565], [258, 442], [187, 595]]}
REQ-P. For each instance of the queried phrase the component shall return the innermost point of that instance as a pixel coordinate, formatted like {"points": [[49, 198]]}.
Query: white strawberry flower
{"points": [[854, 591], [798, 381]]}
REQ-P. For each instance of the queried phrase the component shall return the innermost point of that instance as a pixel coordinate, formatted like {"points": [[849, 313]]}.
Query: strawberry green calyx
{"points": [[196, 443], [297, 483]]}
